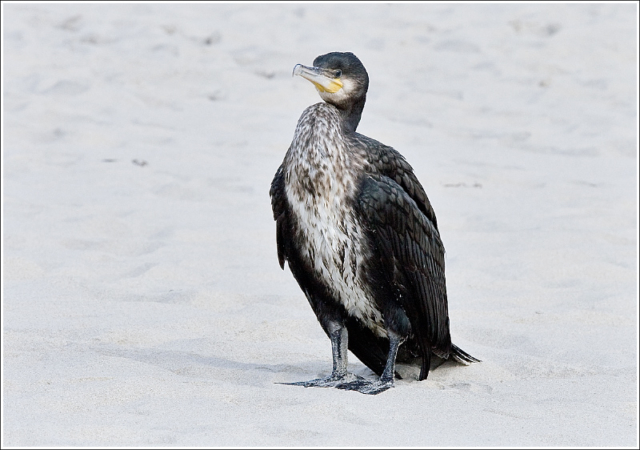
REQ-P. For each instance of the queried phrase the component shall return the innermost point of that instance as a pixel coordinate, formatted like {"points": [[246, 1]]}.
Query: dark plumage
{"points": [[360, 236]]}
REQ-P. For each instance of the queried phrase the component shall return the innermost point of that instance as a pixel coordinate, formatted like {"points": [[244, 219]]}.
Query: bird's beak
{"points": [[321, 78]]}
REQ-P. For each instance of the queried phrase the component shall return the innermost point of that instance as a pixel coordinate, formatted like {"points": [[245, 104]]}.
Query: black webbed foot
{"points": [[367, 387], [330, 381]]}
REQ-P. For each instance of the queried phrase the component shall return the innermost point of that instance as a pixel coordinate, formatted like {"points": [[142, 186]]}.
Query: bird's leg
{"points": [[390, 367], [386, 379], [339, 375]]}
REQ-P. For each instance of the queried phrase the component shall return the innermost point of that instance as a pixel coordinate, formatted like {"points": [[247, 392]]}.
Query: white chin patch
{"points": [[339, 96]]}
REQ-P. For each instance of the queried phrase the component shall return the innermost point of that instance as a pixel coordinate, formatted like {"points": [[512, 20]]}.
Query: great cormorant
{"points": [[360, 236]]}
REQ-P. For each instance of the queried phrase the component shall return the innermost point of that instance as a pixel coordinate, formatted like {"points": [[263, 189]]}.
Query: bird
{"points": [[360, 237]]}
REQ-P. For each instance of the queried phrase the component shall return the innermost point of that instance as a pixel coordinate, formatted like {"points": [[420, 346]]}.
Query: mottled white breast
{"points": [[320, 187]]}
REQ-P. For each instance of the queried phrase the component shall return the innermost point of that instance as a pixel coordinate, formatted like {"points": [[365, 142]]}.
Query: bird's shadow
{"points": [[195, 365]]}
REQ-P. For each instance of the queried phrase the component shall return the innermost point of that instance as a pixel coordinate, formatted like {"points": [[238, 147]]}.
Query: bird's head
{"points": [[340, 78]]}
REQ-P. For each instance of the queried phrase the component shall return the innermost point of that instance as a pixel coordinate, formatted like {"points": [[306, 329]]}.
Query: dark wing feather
{"points": [[279, 205], [389, 162], [408, 246]]}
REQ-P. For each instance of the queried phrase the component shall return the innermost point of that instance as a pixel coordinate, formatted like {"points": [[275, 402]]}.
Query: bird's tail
{"points": [[461, 356]]}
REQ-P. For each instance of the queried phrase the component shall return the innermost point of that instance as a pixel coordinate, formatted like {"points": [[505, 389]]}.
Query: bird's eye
{"points": [[338, 73]]}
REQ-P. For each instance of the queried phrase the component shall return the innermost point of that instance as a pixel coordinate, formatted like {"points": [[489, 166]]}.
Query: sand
{"points": [[143, 304]]}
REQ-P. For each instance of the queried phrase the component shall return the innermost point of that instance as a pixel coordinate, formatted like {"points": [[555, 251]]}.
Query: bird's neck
{"points": [[320, 162], [351, 114]]}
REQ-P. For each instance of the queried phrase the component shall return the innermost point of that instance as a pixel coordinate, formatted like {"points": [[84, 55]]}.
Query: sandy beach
{"points": [[142, 301]]}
